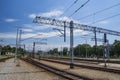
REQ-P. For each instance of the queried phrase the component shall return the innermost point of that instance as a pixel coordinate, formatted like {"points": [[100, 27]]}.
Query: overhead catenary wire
{"points": [[70, 7], [100, 11], [31, 37], [106, 18], [79, 8]]}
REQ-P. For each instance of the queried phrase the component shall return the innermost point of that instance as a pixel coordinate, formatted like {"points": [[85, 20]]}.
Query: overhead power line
{"points": [[105, 18], [79, 8], [70, 7], [100, 11]]}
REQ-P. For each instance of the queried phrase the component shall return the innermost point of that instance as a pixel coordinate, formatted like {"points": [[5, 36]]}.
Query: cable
{"points": [[31, 37], [69, 7], [105, 18], [79, 8], [99, 11]]}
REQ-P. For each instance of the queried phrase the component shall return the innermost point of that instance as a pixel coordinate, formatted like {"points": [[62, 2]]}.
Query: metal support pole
{"points": [[105, 49], [39, 55], [24, 50], [64, 31], [86, 48], [16, 51], [33, 49], [79, 50], [19, 44], [20, 39], [71, 45], [0, 50], [61, 52], [108, 50], [95, 43], [0, 47]]}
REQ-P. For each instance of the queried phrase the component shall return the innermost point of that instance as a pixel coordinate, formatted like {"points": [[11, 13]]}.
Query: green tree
{"points": [[116, 48], [13, 49], [6, 49], [65, 50], [82, 50]]}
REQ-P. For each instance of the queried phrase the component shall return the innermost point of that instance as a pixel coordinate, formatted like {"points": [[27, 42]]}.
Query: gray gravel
{"points": [[26, 71], [95, 74]]}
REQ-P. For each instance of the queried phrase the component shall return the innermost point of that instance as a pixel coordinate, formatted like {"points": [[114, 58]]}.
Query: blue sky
{"points": [[20, 13]]}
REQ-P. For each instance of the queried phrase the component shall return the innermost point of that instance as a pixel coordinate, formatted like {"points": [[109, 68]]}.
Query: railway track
{"points": [[60, 72], [112, 70], [4, 59], [88, 60], [78, 61]]}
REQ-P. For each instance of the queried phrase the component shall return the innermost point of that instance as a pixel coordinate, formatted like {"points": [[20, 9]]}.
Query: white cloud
{"points": [[27, 30], [103, 22], [32, 15], [13, 35], [7, 35], [28, 35], [48, 34], [10, 20], [35, 26], [53, 13], [44, 34], [65, 18]]}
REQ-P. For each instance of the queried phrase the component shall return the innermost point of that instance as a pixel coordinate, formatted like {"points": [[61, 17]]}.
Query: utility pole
{"points": [[71, 45], [95, 43], [0, 50], [16, 51], [105, 49], [20, 39], [79, 49], [19, 44], [86, 48], [33, 50], [1, 46], [108, 50], [64, 31], [24, 50]]}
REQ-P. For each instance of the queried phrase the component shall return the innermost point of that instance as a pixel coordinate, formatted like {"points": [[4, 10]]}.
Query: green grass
{"points": [[64, 56], [3, 56]]}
